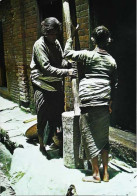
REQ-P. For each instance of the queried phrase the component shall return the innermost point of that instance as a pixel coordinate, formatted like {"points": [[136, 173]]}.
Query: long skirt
{"points": [[49, 107], [94, 128]]}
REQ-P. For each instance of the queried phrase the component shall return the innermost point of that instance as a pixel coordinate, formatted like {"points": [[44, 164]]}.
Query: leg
{"points": [[51, 133], [57, 108], [40, 129], [41, 142], [41, 123], [96, 175], [95, 168], [104, 155]]}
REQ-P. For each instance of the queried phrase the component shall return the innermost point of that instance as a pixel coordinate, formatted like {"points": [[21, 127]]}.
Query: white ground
{"points": [[51, 177]]}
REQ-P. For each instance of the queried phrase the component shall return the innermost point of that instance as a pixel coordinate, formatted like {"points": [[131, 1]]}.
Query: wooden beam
{"points": [[68, 22]]}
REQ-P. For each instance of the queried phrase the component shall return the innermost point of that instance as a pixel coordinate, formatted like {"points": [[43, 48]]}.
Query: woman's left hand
{"points": [[73, 72]]}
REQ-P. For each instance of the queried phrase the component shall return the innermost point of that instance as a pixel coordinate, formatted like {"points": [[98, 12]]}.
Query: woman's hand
{"points": [[72, 72]]}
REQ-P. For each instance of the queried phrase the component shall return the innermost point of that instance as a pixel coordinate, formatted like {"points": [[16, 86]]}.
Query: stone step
{"points": [[123, 145]]}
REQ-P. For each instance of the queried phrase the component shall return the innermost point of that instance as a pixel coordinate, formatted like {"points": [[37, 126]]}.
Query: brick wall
{"points": [[31, 24], [82, 10], [20, 30], [20, 24], [8, 39]]}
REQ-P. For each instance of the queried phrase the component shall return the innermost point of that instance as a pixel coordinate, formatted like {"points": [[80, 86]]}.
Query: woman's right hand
{"points": [[72, 72]]}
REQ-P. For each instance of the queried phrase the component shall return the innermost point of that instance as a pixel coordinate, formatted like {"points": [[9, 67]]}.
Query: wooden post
{"points": [[70, 120], [66, 10], [67, 16]]}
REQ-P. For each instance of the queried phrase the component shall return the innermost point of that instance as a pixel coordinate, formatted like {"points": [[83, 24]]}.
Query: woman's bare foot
{"points": [[106, 177], [43, 150], [93, 178], [97, 177]]}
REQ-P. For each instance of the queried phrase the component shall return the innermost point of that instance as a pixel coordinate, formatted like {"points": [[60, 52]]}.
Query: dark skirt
{"points": [[49, 107], [94, 128]]}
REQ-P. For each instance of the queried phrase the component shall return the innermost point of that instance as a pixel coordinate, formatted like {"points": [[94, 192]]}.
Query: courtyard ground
{"points": [[31, 173]]}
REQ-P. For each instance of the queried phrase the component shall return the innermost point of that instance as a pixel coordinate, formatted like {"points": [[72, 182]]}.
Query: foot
{"points": [[43, 150], [53, 146], [106, 177], [95, 179]]}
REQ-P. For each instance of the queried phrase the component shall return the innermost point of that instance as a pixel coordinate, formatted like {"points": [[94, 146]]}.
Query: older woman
{"points": [[96, 92], [47, 72]]}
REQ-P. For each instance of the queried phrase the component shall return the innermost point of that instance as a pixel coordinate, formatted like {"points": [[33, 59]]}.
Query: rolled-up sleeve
{"points": [[72, 54]]}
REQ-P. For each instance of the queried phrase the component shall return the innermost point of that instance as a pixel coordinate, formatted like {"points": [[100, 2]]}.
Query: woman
{"points": [[47, 72], [96, 92]]}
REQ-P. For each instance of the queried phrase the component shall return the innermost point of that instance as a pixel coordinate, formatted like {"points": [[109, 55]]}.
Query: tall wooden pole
{"points": [[67, 16]]}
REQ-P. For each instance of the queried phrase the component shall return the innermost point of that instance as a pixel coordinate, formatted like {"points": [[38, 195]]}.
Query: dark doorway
{"points": [[120, 18], [3, 81], [51, 8]]}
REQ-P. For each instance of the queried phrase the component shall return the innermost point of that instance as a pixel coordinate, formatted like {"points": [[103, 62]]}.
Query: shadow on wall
{"points": [[120, 18]]}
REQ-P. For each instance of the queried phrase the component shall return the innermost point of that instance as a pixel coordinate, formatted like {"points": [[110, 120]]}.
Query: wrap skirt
{"points": [[94, 128]]}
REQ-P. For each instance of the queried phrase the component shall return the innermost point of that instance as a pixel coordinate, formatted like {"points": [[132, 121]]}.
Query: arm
{"points": [[72, 54], [114, 84], [42, 58], [64, 63]]}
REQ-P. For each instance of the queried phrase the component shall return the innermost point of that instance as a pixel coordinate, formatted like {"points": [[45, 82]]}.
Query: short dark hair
{"points": [[101, 35], [49, 24]]}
